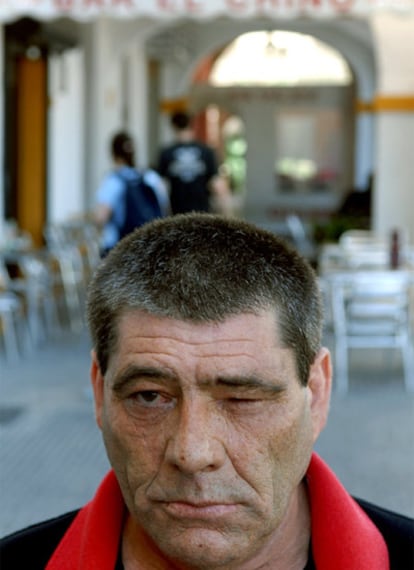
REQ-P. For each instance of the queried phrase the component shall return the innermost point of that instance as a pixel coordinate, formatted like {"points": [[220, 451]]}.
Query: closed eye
{"points": [[242, 399], [242, 403]]}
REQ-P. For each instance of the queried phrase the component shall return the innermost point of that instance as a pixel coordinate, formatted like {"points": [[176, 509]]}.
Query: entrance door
{"points": [[31, 110]]}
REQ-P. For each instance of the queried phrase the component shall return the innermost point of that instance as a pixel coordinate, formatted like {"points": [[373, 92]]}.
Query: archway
{"points": [[299, 125]]}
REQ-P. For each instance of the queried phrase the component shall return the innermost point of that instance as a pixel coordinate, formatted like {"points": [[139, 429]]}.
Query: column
{"points": [[394, 107], [97, 64]]}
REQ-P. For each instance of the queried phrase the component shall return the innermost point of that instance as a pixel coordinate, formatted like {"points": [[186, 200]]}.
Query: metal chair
{"points": [[33, 284], [362, 238], [13, 325], [371, 309], [74, 250], [364, 249]]}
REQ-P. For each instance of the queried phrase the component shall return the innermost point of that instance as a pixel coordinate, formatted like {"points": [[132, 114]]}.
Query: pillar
{"points": [[394, 108]]}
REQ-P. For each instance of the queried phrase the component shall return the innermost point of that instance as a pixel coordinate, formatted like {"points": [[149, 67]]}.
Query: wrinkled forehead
{"points": [[240, 345], [246, 326]]}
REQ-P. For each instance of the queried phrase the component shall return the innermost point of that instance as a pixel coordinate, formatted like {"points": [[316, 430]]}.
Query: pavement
{"points": [[52, 457]]}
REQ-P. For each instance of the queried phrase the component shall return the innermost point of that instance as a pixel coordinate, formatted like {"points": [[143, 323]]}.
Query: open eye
{"points": [[151, 399], [149, 396]]}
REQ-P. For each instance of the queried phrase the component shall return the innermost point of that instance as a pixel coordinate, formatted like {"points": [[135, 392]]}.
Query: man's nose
{"points": [[196, 443]]}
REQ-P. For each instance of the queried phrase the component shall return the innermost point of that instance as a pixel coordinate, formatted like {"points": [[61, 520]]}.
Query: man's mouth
{"points": [[199, 510]]}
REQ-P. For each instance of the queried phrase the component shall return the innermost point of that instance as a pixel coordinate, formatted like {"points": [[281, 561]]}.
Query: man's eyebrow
{"points": [[250, 383], [132, 372]]}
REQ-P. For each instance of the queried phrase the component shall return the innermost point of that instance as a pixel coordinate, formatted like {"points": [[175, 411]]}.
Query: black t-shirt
{"points": [[189, 167]]}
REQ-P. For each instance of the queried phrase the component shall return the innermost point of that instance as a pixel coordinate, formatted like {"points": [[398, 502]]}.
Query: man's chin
{"points": [[200, 548]]}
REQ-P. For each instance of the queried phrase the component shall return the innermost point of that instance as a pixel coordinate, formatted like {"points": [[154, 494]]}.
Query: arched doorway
{"points": [[294, 95]]}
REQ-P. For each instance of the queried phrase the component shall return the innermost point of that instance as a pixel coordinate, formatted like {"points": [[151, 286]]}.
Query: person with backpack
{"points": [[127, 198]]}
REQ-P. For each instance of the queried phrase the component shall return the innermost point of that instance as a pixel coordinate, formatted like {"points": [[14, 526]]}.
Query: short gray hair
{"points": [[206, 268]]}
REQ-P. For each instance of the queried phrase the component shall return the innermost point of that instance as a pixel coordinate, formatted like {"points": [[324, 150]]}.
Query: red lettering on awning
{"points": [[63, 4], [236, 4], [167, 5], [98, 3], [127, 3], [312, 3], [342, 5], [193, 5], [270, 3]]}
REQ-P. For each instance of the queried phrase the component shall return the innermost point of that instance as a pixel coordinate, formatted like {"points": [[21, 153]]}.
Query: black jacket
{"points": [[32, 547]]}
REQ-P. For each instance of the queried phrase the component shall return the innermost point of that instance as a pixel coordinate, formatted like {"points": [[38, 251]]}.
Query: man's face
{"points": [[209, 433]]}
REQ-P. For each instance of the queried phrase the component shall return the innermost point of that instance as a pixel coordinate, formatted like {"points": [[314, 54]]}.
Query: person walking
{"points": [[127, 197], [189, 167]]}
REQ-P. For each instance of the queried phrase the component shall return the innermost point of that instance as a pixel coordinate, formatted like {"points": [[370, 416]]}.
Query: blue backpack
{"points": [[141, 204]]}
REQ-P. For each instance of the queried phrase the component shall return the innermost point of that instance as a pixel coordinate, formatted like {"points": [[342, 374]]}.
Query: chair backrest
{"points": [[362, 238], [372, 304], [372, 309], [364, 249], [359, 258], [368, 249]]}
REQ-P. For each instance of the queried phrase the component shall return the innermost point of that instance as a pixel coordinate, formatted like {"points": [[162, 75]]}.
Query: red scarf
{"points": [[343, 537]]}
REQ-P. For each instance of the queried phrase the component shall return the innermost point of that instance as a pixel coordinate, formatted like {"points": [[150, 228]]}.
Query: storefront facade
{"points": [[102, 65]]}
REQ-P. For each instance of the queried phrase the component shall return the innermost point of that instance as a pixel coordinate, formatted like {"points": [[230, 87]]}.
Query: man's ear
{"points": [[319, 384], [97, 381]]}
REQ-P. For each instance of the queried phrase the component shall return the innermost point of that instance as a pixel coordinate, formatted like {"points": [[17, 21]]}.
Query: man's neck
{"points": [[185, 136], [289, 549]]}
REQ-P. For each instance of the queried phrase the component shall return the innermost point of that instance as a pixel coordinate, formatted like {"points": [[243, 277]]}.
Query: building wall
{"points": [[379, 47], [112, 48], [394, 109]]}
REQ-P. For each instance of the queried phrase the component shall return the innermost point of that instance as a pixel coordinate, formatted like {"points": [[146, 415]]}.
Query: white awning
{"points": [[195, 9]]}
